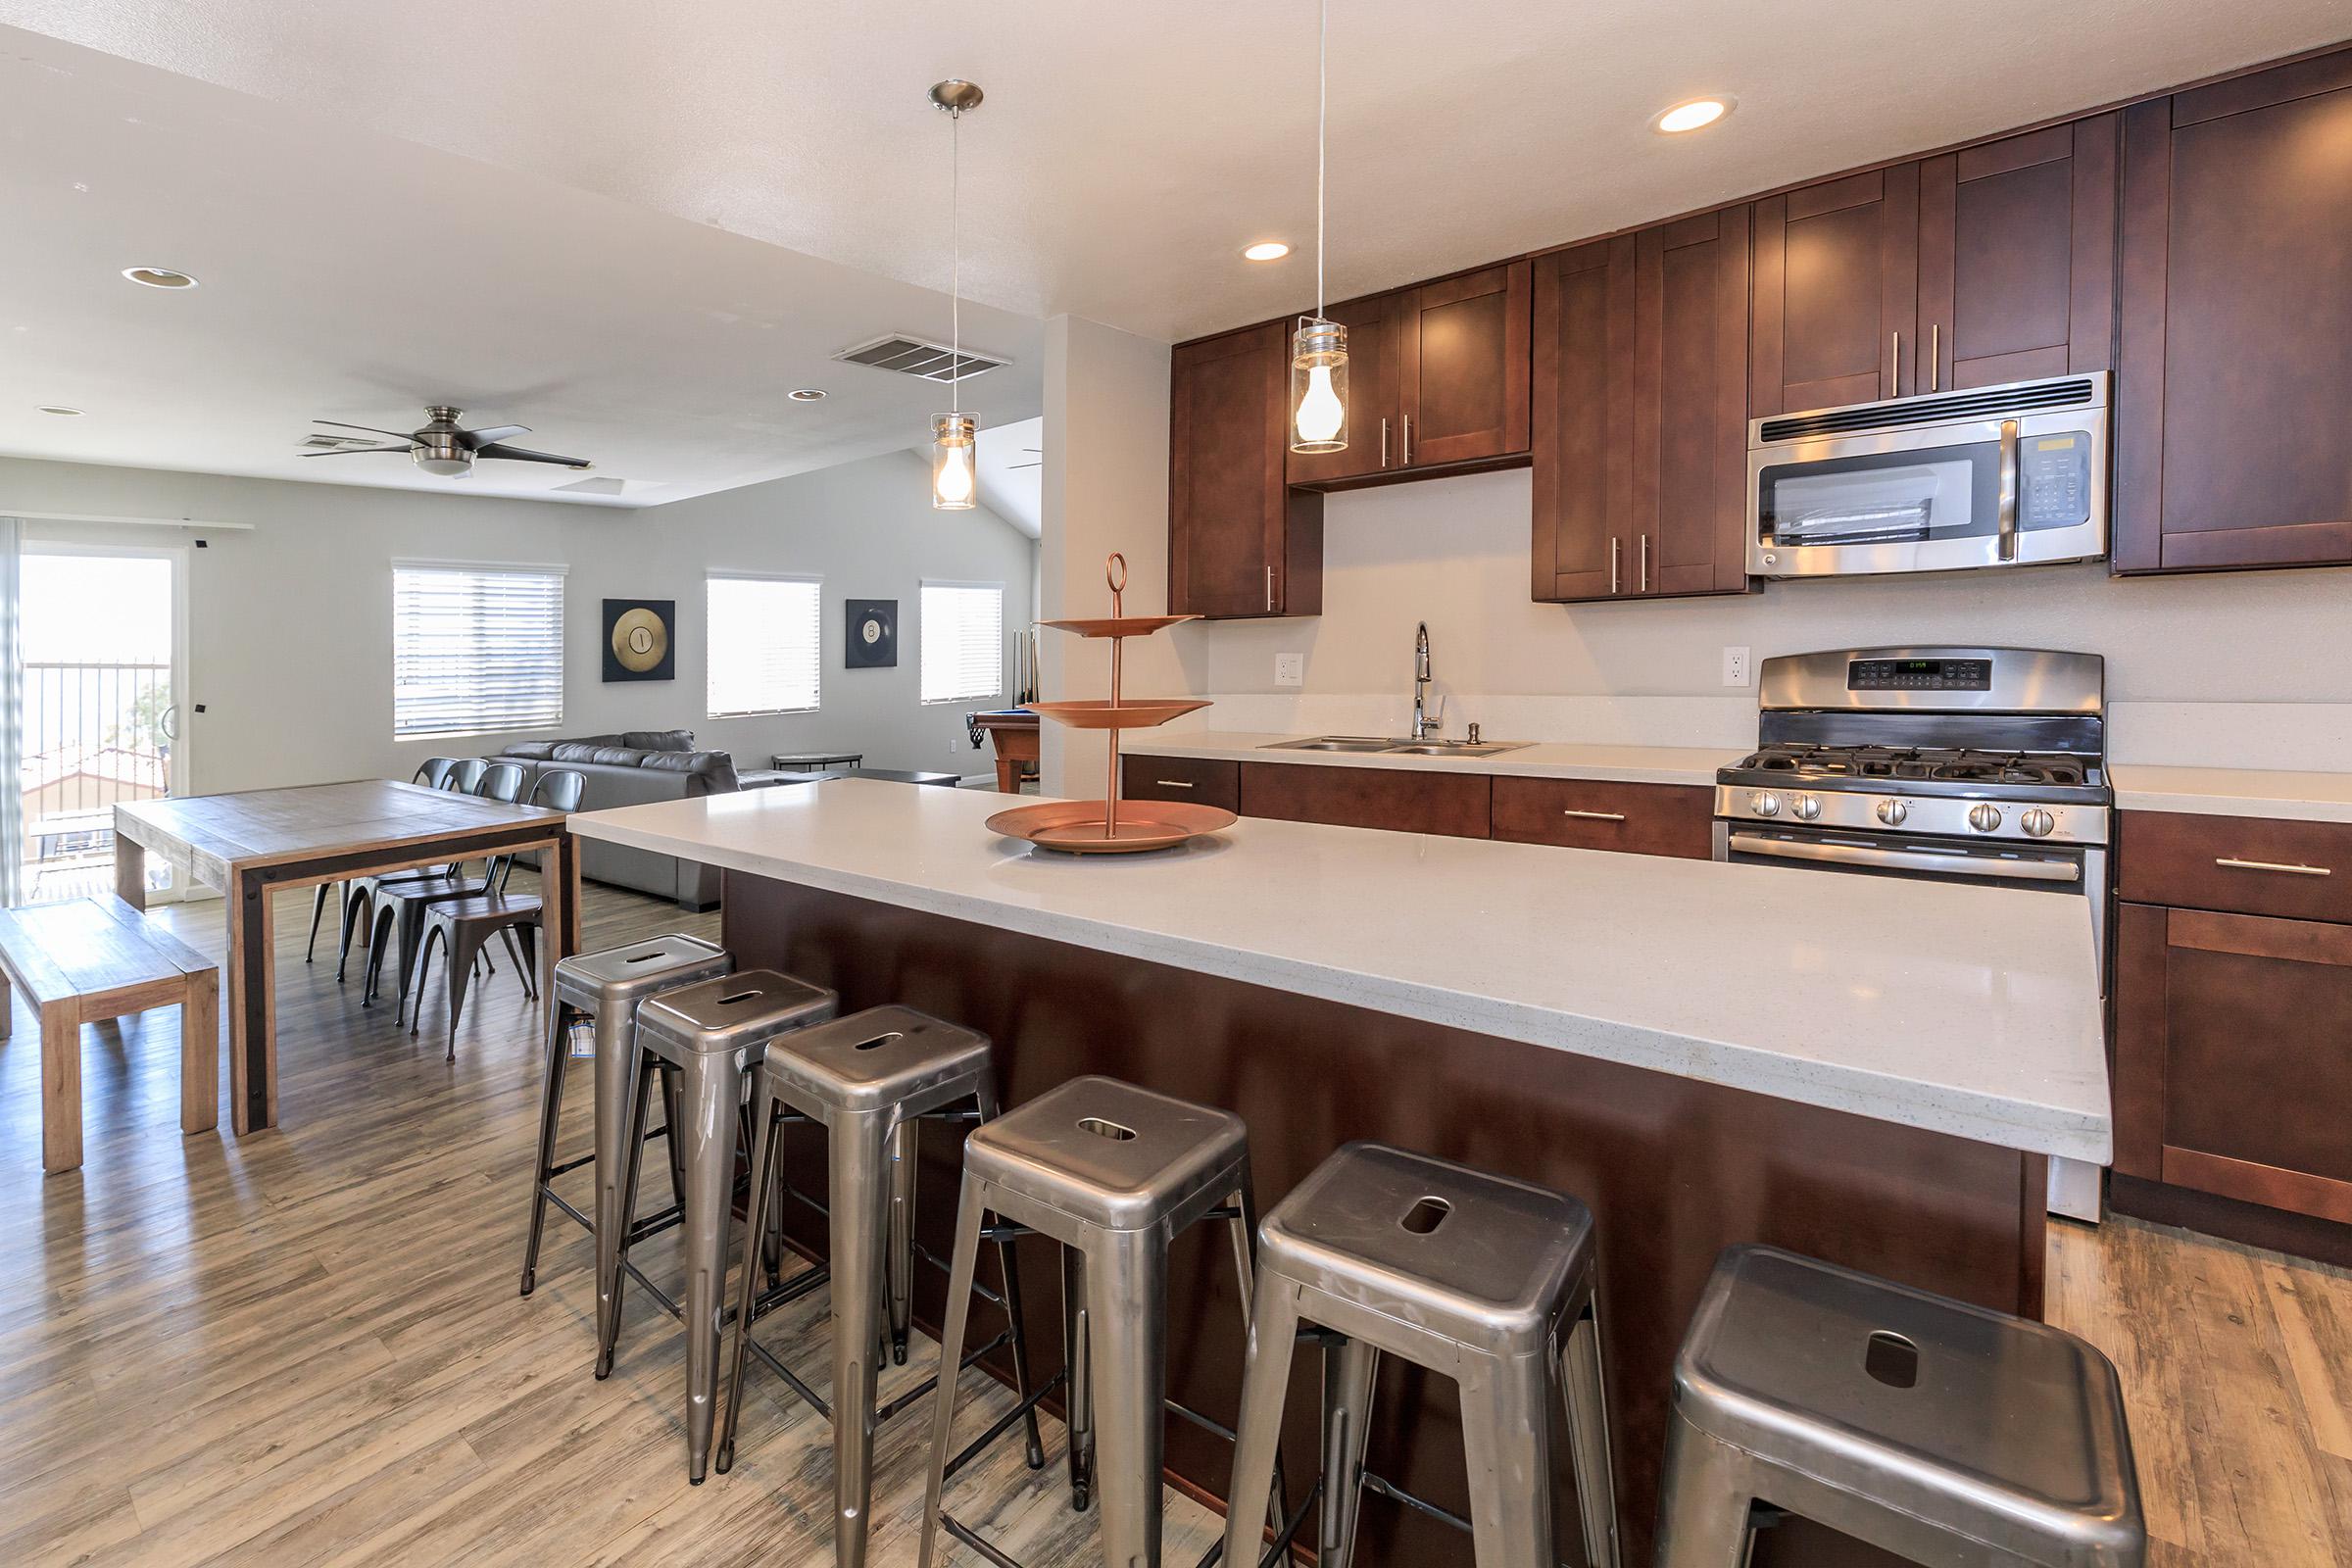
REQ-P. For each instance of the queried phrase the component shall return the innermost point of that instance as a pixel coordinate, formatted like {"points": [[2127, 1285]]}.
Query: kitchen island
{"points": [[1868, 1071]]}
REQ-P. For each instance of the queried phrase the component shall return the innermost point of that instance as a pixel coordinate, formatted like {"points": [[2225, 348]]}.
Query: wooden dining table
{"points": [[259, 843]]}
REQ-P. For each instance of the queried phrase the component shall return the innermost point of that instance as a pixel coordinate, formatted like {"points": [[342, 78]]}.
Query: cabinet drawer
{"points": [[1675, 819], [1198, 780], [2249, 866], [1400, 800]]}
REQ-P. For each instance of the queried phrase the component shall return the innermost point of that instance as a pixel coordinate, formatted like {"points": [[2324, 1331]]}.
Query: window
{"points": [[476, 649], [763, 644], [964, 641]]}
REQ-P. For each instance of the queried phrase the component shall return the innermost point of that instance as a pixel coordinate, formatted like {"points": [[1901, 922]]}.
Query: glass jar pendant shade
{"points": [[1319, 386], [954, 486]]}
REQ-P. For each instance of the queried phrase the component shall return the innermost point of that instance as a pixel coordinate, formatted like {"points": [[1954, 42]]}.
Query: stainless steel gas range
{"points": [[1982, 765]]}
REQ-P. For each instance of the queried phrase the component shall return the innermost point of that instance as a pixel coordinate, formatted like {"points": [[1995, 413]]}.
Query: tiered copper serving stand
{"points": [[1111, 825]]}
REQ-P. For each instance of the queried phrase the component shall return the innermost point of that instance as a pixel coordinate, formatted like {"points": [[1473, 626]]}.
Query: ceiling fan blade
{"points": [[498, 448], [477, 439], [351, 452], [397, 435]]}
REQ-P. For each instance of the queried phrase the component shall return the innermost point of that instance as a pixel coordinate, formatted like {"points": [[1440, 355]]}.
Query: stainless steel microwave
{"points": [[1993, 477]]}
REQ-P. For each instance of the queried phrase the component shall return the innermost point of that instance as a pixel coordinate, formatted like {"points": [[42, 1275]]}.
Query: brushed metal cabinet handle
{"points": [[1172, 783], [1936, 357], [1645, 562], [1269, 587], [1408, 441], [1596, 817], [1895, 367], [2274, 866], [1613, 553], [1384, 440]]}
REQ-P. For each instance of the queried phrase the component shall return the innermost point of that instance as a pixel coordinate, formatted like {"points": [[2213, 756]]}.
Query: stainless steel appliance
{"points": [[1977, 764], [1993, 477]]}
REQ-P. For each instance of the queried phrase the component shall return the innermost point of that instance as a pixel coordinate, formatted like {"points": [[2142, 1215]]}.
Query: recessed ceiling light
{"points": [[806, 393], [1265, 249], [61, 408], [159, 277], [1692, 115]]}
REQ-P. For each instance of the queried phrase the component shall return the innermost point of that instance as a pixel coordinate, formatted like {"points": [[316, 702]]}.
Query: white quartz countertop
{"points": [[1963, 1010], [2232, 792], [1631, 764]]}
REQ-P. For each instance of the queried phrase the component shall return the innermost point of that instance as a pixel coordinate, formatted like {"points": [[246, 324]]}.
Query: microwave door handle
{"points": [[1928, 862], [2008, 502]]}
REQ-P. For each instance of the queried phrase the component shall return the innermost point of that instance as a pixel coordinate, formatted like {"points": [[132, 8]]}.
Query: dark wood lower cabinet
{"points": [[1402, 799], [1673, 819], [1195, 780]]}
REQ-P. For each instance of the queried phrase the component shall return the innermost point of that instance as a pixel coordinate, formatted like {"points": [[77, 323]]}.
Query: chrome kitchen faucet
{"points": [[1425, 723]]}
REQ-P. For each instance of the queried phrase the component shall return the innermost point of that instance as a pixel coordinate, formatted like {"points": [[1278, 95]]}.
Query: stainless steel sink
{"points": [[1372, 745]]}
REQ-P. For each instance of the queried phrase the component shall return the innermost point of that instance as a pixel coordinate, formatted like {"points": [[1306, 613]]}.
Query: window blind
{"points": [[762, 642], [964, 641], [476, 649]]}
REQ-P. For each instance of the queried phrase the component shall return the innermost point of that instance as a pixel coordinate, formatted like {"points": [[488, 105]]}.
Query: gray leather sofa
{"points": [[633, 767]]}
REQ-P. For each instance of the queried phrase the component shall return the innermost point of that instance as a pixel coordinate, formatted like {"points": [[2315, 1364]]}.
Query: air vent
{"points": [[933, 361], [338, 443], [2025, 397]]}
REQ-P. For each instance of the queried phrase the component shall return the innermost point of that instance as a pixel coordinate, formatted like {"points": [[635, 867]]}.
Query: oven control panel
{"points": [[1871, 816], [1919, 675]]}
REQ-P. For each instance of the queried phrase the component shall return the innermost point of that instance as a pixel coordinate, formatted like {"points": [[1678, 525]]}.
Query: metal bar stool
{"points": [[1946, 1433], [870, 1079], [1112, 1172], [714, 1032], [600, 992], [1476, 1277]]}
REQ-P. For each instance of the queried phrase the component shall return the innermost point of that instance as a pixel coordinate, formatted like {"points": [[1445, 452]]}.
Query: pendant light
{"points": [[953, 434], [1319, 347]]}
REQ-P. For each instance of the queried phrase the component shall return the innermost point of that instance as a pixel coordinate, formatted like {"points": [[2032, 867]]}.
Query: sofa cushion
{"points": [[659, 740], [716, 769], [608, 755], [531, 750]]}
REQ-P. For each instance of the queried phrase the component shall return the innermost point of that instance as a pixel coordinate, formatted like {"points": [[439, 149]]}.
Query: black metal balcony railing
{"points": [[94, 734]]}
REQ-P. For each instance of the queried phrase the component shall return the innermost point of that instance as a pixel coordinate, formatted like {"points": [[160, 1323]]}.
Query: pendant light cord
{"points": [[1322, 110], [956, 262]]}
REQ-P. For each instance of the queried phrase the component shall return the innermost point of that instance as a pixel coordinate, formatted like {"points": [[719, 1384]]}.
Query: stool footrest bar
{"points": [[1002, 1425], [922, 1391]]}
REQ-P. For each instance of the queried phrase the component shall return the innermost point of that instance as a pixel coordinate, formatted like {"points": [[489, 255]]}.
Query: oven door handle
{"points": [[2007, 518], [1977, 866]]}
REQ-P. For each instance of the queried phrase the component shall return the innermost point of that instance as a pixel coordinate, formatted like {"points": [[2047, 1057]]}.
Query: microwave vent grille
{"points": [[2067, 393]]}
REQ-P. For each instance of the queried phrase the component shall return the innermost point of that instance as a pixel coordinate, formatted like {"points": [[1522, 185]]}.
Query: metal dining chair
{"points": [[429, 773], [464, 926], [396, 900]]}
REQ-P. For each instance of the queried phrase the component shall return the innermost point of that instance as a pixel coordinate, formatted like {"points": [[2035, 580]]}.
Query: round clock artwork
{"points": [[871, 627], [637, 640]]}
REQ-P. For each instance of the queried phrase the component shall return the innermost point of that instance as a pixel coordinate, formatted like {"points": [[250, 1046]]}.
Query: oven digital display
{"points": [[1919, 675]]}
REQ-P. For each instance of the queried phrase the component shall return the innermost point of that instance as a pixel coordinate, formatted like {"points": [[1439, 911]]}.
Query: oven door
{"points": [[1989, 492]]}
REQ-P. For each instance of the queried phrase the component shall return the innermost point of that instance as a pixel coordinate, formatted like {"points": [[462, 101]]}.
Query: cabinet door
{"points": [[1398, 798], [1372, 407], [1582, 421], [2235, 351], [2234, 1056], [1837, 293], [1463, 369], [1691, 406], [1196, 780], [2016, 257], [1672, 819], [1240, 541]]}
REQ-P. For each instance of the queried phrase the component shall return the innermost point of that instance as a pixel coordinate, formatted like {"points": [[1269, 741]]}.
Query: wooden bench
{"points": [[91, 960]]}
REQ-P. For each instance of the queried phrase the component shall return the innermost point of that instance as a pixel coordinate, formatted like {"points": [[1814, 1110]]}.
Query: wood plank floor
{"points": [[306, 1346]]}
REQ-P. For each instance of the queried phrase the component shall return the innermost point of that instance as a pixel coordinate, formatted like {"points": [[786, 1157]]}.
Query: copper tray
{"points": [[1120, 625], [1132, 714], [1076, 826]]}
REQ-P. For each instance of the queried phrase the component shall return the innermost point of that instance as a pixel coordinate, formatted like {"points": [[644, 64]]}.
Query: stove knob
{"points": [[1766, 804], [2037, 823], [1984, 819], [1806, 808], [1892, 812]]}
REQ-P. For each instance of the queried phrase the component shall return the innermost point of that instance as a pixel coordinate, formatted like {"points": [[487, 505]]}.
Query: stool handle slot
{"points": [[1424, 1217], [1106, 1129], [1892, 1359], [879, 1041]]}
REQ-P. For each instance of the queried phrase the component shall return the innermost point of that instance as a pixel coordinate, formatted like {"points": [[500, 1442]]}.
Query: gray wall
{"points": [[290, 624]]}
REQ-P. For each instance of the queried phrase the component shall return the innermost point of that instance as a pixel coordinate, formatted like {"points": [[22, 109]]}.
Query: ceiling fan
{"points": [[440, 447]]}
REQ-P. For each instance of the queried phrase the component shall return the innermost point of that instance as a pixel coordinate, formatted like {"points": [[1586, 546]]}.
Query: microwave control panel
{"points": [[1919, 675], [2054, 480]]}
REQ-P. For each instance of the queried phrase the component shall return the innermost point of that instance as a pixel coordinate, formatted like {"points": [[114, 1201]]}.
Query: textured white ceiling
{"points": [[1127, 150], [349, 274]]}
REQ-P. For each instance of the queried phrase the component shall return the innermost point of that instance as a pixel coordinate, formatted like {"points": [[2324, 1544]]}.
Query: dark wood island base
{"points": [[1674, 1170]]}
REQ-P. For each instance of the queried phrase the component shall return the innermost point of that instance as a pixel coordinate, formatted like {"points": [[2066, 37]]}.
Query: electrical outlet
{"points": [[1734, 667], [1290, 670]]}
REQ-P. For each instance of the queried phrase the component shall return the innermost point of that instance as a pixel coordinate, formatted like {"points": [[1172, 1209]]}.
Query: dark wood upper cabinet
{"points": [[1240, 542], [1462, 369], [1836, 287], [2235, 351], [1373, 325], [2017, 258], [1640, 414]]}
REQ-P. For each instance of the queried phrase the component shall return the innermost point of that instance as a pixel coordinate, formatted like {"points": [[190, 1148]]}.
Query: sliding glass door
{"points": [[104, 648]]}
